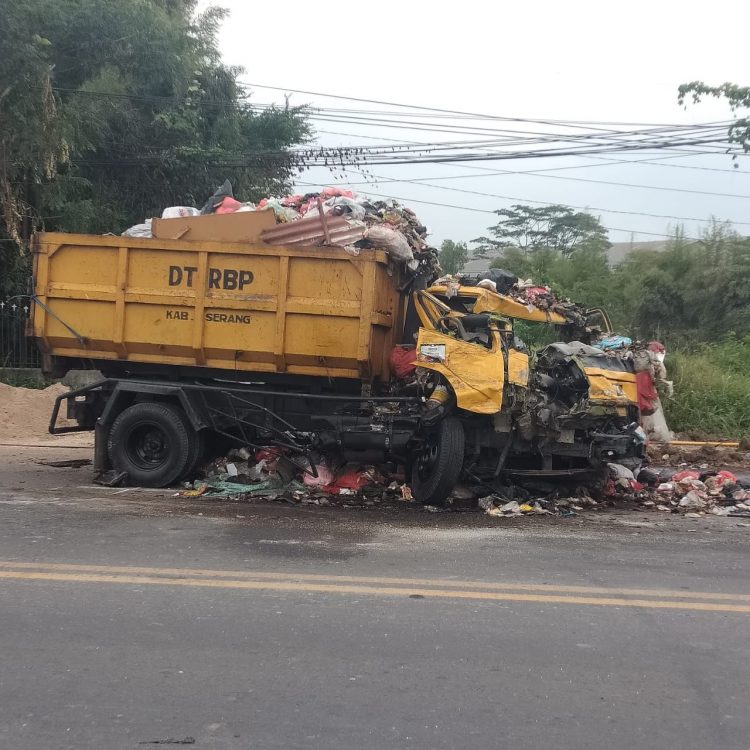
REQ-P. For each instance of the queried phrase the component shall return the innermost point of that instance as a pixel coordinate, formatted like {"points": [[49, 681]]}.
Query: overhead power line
{"points": [[425, 183], [541, 173], [544, 121], [604, 161], [482, 210]]}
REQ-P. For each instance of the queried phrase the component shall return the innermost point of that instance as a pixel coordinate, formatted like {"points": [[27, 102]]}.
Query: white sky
{"points": [[573, 60]]}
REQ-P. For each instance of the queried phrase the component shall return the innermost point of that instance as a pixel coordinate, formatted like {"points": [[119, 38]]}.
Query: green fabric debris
{"points": [[271, 486]]}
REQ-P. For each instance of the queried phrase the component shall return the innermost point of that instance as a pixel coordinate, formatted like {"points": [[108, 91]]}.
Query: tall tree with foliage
{"points": [[738, 98], [529, 229], [112, 109], [692, 290], [453, 256], [553, 245]]}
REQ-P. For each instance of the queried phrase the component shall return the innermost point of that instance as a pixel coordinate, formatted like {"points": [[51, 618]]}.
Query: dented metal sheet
{"points": [[316, 230]]}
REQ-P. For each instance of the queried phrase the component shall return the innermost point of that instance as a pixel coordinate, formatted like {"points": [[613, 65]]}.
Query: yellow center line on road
{"points": [[387, 591], [453, 584]]}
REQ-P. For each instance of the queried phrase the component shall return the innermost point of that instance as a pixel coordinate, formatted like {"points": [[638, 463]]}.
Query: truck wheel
{"points": [[152, 443], [436, 469], [197, 452]]}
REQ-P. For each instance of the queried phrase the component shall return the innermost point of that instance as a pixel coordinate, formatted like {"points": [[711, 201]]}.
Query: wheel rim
{"points": [[147, 446]]}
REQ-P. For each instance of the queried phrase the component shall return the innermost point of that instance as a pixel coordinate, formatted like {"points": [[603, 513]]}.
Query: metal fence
{"points": [[16, 350]]}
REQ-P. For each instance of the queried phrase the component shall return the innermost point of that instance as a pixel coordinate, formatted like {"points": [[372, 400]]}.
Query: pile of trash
{"points": [[525, 291], [695, 494], [526, 504], [270, 474], [647, 360], [543, 298], [385, 225], [335, 201], [689, 492], [273, 474], [646, 356], [363, 223]]}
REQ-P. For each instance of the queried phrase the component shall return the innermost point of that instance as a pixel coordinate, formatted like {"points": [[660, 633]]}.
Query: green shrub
{"points": [[712, 389], [23, 381]]}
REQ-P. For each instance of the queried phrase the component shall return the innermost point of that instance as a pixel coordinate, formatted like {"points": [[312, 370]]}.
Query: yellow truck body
{"points": [[233, 306]]}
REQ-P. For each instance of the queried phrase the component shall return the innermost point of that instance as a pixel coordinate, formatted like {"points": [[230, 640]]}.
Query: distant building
{"points": [[477, 265], [620, 250], [616, 254]]}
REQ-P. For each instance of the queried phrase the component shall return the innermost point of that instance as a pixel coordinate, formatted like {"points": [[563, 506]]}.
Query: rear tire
{"points": [[152, 442], [436, 470], [197, 452]]}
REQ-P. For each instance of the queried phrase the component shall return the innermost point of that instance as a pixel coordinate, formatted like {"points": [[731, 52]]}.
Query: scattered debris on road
{"points": [[169, 741], [268, 474], [70, 463], [248, 475]]}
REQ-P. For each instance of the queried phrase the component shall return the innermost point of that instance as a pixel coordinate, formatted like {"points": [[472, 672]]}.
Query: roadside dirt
{"points": [[25, 412], [710, 456]]}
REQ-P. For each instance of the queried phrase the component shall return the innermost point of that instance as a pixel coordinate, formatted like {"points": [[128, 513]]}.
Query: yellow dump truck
{"points": [[293, 346]]}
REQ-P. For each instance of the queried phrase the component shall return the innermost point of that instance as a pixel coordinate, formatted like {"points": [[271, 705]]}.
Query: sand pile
{"points": [[25, 412]]}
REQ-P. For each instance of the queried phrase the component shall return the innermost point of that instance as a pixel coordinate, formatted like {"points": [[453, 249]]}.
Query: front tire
{"points": [[435, 471], [152, 442]]}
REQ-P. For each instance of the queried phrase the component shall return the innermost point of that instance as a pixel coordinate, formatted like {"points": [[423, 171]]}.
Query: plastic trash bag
{"points": [[228, 206], [284, 214], [342, 206], [330, 192], [656, 426], [613, 342], [504, 280], [393, 242], [218, 196], [178, 212], [403, 360], [139, 230], [324, 478]]}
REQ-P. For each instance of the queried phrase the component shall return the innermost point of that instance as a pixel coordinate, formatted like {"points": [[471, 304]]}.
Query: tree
{"points": [[738, 98], [111, 110], [693, 290], [531, 229], [453, 256]]}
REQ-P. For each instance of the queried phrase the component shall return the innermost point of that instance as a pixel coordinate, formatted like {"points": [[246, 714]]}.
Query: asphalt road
{"points": [[134, 618]]}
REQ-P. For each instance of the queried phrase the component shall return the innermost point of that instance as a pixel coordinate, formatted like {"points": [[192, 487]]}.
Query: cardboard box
{"points": [[243, 226]]}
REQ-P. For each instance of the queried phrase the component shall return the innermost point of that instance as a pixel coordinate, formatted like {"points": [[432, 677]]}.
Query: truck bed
{"points": [[230, 306]]}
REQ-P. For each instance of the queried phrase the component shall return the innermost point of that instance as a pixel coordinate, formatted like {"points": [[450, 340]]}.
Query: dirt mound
{"points": [[25, 412], [715, 456]]}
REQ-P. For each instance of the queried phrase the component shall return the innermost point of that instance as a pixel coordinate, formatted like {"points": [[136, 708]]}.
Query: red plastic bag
{"points": [[333, 192], [726, 477], [354, 479], [324, 478], [351, 479], [535, 291], [648, 398], [403, 360], [228, 206], [269, 455], [686, 474]]}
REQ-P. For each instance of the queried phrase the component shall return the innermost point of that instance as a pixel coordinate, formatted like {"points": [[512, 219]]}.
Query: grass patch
{"points": [[712, 390], [23, 381]]}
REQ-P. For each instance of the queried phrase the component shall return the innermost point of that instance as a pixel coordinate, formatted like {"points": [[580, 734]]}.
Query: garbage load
{"points": [[525, 291], [650, 372], [333, 215]]}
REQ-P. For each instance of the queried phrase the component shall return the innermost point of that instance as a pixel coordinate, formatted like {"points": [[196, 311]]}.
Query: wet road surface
{"points": [[130, 618]]}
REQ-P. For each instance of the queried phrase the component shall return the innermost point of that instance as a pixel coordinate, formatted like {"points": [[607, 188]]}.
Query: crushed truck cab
{"points": [[565, 411]]}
